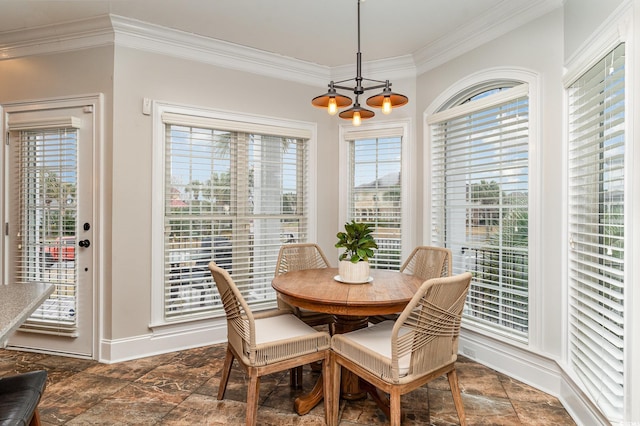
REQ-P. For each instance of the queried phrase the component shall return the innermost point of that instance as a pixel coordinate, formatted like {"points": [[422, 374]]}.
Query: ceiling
{"points": [[300, 29]]}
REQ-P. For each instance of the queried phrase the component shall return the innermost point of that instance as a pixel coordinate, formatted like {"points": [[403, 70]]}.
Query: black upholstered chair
{"points": [[19, 398]]}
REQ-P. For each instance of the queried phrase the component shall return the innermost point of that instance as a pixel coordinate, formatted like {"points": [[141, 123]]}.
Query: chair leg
{"points": [[295, 377], [334, 382], [253, 391], [394, 407], [327, 388], [457, 396], [35, 420], [226, 371]]}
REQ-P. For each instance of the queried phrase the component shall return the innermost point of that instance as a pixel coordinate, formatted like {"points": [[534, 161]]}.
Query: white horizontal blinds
{"points": [[274, 211], [234, 198], [198, 224], [596, 230], [47, 180], [375, 193], [480, 187]]}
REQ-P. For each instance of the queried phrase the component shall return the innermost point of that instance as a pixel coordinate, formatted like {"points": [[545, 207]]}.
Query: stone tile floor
{"points": [[180, 388]]}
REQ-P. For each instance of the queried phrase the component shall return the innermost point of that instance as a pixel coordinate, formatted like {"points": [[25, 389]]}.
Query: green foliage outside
{"points": [[501, 265], [59, 205]]}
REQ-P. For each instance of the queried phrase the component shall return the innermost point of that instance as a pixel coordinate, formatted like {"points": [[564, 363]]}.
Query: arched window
{"points": [[480, 199]]}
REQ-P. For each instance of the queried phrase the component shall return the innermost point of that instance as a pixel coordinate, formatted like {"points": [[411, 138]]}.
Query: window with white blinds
{"points": [[46, 189], [233, 196], [480, 203], [596, 175], [375, 191]]}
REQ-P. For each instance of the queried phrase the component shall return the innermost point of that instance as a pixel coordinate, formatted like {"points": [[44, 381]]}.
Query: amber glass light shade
{"points": [[393, 100], [356, 114], [323, 101]]}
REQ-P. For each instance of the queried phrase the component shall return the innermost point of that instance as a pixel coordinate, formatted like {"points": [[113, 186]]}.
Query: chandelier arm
{"points": [[340, 82], [351, 89], [379, 86], [383, 82], [335, 86]]}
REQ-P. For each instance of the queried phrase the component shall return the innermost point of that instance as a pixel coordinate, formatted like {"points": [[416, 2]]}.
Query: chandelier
{"points": [[332, 100]]}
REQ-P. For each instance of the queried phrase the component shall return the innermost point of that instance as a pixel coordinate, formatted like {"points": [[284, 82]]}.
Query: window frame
{"points": [[616, 29], [593, 283], [379, 130], [464, 89], [244, 121]]}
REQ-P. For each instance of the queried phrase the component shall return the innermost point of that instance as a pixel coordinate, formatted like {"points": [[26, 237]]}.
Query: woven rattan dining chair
{"points": [[266, 342], [425, 262], [428, 262], [296, 257], [398, 357]]}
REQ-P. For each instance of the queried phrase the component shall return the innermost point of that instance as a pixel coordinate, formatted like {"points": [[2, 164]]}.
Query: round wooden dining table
{"points": [[321, 290]]}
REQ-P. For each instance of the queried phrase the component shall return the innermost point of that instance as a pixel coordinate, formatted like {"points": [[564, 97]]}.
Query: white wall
{"points": [[139, 75]]}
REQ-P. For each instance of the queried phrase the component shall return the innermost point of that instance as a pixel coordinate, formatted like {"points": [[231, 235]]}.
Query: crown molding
{"points": [[57, 38], [157, 39], [500, 20], [114, 30]]}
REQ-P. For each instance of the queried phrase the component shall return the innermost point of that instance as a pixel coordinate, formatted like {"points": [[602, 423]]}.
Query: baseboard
{"points": [[163, 340], [538, 371]]}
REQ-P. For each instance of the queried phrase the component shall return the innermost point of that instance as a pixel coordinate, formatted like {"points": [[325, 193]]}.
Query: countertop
{"points": [[17, 302]]}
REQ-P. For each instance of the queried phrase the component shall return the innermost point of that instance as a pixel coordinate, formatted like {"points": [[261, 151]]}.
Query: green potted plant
{"points": [[358, 244]]}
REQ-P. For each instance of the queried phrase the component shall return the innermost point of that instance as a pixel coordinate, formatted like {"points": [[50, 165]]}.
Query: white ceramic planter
{"points": [[353, 272]]}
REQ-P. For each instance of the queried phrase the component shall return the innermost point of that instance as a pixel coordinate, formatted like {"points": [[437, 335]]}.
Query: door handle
{"points": [[84, 243]]}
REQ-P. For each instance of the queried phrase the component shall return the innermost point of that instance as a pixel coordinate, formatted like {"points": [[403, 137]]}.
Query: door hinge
{"points": [[6, 228], [6, 142]]}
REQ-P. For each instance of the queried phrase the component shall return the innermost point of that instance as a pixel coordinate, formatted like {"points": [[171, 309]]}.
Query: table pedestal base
{"points": [[350, 383], [305, 403]]}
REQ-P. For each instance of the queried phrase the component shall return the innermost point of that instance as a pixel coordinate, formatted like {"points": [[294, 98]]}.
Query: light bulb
{"points": [[386, 105], [356, 118], [332, 108]]}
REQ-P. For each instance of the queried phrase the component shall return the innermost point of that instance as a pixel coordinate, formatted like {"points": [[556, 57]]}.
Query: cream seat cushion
{"points": [[377, 338], [281, 327]]}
